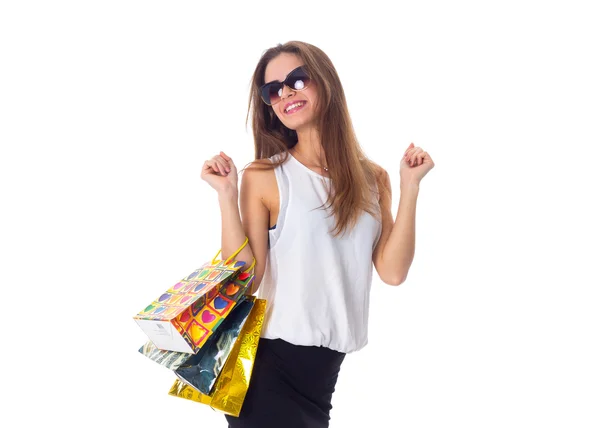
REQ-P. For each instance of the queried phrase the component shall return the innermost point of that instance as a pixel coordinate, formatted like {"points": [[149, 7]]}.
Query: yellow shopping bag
{"points": [[233, 382]]}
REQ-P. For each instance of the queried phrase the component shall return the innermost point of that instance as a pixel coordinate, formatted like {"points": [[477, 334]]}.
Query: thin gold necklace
{"points": [[324, 168]]}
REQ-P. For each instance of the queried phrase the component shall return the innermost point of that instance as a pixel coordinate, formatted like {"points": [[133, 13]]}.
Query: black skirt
{"points": [[291, 387]]}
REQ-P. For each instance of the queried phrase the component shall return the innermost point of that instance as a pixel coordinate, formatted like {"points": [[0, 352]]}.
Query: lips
{"points": [[295, 109]]}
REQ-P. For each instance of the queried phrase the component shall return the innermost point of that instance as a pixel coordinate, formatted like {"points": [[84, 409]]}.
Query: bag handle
{"points": [[251, 266], [214, 260]]}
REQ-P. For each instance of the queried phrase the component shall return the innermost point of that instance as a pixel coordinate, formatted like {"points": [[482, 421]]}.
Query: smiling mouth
{"points": [[295, 107]]}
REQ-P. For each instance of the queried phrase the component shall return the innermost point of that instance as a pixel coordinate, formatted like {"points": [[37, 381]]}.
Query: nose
{"points": [[286, 92]]}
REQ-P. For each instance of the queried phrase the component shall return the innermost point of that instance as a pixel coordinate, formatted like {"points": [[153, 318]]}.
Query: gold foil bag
{"points": [[233, 382]]}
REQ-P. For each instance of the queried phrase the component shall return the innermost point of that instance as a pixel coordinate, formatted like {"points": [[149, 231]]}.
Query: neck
{"points": [[309, 147]]}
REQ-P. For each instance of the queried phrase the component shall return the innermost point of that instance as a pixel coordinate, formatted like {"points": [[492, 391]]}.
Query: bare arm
{"points": [[395, 250], [233, 234], [252, 223], [248, 219], [255, 219]]}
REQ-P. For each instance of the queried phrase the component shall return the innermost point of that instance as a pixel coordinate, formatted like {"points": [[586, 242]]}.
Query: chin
{"points": [[298, 124]]}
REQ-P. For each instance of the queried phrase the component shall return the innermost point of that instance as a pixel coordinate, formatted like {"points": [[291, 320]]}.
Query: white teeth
{"points": [[294, 106]]}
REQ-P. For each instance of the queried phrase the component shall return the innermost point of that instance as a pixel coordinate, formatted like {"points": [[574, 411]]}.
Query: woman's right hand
{"points": [[220, 172]]}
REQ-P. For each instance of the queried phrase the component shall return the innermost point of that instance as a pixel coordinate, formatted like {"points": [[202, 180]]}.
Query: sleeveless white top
{"points": [[317, 287]]}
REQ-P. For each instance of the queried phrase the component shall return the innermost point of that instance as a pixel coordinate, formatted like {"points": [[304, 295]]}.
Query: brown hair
{"points": [[350, 170]]}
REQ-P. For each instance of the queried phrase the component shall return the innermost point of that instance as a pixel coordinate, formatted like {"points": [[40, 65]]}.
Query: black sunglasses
{"points": [[296, 80]]}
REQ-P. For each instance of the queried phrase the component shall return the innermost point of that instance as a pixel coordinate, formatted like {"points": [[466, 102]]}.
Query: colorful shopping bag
{"points": [[232, 384], [202, 369], [185, 316], [204, 364]]}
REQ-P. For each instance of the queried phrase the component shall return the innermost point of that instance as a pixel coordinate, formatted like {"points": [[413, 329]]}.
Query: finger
{"points": [[421, 157], [414, 155], [226, 165], [411, 151], [410, 158], [220, 163], [214, 165], [208, 165], [223, 163], [221, 168], [227, 158]]}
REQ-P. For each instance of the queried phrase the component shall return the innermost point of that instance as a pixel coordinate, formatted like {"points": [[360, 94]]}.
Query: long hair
{"points": [[352, 173]]}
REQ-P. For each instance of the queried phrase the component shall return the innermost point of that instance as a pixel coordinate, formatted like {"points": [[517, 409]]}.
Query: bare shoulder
{"points": [[259, 180], [258, 173]]}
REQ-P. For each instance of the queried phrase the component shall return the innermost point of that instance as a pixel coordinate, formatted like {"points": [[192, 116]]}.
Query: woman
{"points": [[317, 214]]}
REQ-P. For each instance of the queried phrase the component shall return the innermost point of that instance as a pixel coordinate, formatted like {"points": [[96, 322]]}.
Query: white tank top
{"points": [[317, 287]]}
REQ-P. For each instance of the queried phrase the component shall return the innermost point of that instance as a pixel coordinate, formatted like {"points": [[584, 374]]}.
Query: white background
{"points": [[108, 110]]}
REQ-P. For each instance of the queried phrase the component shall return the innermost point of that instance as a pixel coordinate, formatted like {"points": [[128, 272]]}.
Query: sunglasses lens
{"points": [[297, 80], [271, 93]]}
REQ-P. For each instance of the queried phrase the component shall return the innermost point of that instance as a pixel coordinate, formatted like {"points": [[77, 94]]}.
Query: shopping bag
{"points": [[169, 359], [234, 380], [203, 364], [185, 316], [202, 369], [173, 359]]}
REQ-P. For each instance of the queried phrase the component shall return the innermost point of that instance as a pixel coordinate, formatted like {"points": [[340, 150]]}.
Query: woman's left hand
{"points": [[415, 164]]}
